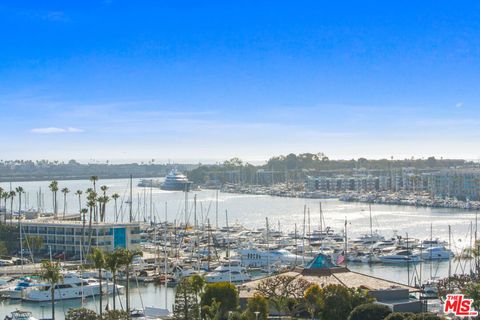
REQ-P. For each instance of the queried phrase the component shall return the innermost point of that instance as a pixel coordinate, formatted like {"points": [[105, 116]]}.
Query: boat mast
{"points": [[228, 248], [165, 257], [450, 249], [303, 237], [151, 201], [186, 207], [216, 209], [346, 243], [321, 218], [268, 247], [371, 227], [296, 246], [309, 233], [131, 199]]}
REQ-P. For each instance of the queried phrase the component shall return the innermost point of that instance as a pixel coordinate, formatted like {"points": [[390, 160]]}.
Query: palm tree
{"points": [[65, 191], [79, 194], [5, 195], [91, 205], [113, 262], [11, 195], [83, 212], [115, 196], [126, 258], [50, 271], [1, 197], [54, 188], [94, 180], [104, 203], [19, 191], [98, 258]]}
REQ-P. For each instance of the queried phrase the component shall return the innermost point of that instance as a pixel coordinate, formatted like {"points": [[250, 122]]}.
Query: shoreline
{"points": [[386, 198]]}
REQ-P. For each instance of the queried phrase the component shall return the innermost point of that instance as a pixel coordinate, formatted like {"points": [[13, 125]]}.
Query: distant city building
{"points": [[463, 184]]}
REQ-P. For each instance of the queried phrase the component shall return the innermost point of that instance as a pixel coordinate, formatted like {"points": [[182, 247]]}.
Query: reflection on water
{"points": [[283, 213], [143, 295]]}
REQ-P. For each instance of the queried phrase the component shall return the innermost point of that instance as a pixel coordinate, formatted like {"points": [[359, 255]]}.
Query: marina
{"points": [[277, 233]]}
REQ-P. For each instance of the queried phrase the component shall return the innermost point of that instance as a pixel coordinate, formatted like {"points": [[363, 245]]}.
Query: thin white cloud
{"points": [[53, 130], [459, 104]]}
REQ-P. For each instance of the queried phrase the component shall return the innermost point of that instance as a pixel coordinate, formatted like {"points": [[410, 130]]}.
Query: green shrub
{"points": [[370, 311]]}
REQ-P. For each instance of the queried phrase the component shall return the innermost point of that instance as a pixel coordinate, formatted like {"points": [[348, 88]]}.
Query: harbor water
{"points": [[251, 211]]}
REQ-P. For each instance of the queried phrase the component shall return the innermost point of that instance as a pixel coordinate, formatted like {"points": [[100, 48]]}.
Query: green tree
{"points": [[50, 272], [115, 197], [98, 258], [257, 304], [126, 260], [369, 311], [473, 292], [399, 316], [186, 303], [223, 292], [116, 315], [19, 191], [65, 191], [11, 195], [5, 195], [338, 301], [103, 202], [312, 300], [198, 284], [91, 201], [53, 186], [10, 235], [81, 314], [284, 292], [113, 262], [3, 248]]}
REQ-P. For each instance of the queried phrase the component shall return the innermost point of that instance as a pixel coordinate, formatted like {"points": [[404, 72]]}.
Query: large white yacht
{"points": [[71, 287], [176, 181], [229, 271], [20, 315]]}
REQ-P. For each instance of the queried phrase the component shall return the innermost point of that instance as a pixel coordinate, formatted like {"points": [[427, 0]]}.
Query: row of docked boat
{"points": [[237, 254], [73, 286]]}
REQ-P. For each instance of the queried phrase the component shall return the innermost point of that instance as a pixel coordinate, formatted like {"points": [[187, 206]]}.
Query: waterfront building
{"points": [[68, 236], [463, 184], [323, 272]]}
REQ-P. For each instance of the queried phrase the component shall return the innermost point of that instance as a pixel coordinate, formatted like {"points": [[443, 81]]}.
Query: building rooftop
{"points": [[59, 222], [327, 274]]}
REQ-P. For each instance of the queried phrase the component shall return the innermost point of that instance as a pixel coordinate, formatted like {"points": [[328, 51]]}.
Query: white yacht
{"points": [[400, 257], [20, 315], [176, 181], [15, 290], [436, 253], [71, 287], [262, 258], [229, 271]]}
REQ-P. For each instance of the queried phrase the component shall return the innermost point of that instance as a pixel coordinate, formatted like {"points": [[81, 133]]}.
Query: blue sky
{"points": [[198, 80]]}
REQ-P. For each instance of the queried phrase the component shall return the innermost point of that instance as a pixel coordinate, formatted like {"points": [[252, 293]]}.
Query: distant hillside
{"points": [[21, 170], [295, 168]]}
